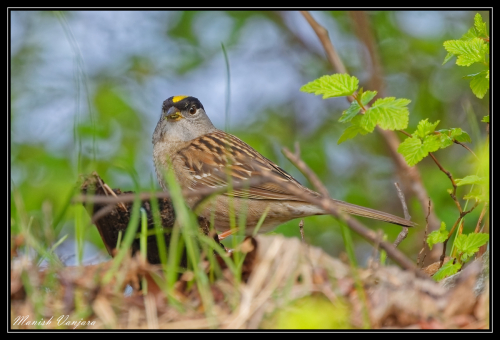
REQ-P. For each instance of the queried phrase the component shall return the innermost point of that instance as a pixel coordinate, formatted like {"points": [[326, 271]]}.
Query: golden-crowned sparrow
{"points": [[204, 157]]}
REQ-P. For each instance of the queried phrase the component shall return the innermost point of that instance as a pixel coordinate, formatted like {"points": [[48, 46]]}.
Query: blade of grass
{"points": [[79, 232], [190, 233], [349, 245], [144, 246], [261, 220], [228, 88], [129, 237], [159, 232]]}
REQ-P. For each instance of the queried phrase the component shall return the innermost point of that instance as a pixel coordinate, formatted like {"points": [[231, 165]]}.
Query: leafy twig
{"points": [[460, 219], [410, 175]]}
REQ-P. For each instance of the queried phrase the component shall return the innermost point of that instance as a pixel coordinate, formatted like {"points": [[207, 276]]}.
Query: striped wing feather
{"points": [[214, 159]]}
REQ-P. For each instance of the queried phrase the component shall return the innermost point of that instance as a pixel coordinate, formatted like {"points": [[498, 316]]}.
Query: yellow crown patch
{"points": [[178, 98]]}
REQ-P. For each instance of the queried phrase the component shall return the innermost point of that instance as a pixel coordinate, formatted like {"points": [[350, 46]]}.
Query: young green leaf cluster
{"points": [[425, 140], [466, 245], [389, 113], [483, 182], [473, 47], [392, 114], [437, 236], [449, 268]]}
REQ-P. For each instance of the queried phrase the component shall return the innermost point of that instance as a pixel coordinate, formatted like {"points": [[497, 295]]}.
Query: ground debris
{"points": [[283, 283]]}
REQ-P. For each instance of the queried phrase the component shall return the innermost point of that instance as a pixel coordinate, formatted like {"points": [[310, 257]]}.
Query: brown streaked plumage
{"points": [[205, 157]]}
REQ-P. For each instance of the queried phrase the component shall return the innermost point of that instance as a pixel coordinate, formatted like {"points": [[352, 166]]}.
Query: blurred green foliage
{"points": [[110, 124], [312, 312]]}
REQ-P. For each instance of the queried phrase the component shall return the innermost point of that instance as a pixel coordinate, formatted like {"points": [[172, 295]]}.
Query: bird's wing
{"points": [[218, 159]]}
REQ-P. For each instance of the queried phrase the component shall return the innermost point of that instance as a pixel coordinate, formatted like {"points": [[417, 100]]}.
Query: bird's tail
{"points": [[371, 213]]}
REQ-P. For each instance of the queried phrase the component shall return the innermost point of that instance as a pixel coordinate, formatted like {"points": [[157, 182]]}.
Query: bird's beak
{"points": [[173, 114]]}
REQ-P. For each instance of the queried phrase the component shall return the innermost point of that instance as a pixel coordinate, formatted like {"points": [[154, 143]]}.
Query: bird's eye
{"points": [[192, 110]]}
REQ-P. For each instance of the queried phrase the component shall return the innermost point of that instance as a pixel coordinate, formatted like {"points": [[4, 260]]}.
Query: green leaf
{"points": [[367, 96], [448, 135], [480, 84], [453, 132], [480, 25], [431, 143], [353, 110], [468, 52], [477, 196], [448, 58], [486, 119], [389, 113], [472, 179], [460, 135], [471, 34], [424, 128], [335, 85], [412, 150], [468, 245], [352, 130], [350, 113], [445, 140], [447, 269], [369, 120], [437, 236]]}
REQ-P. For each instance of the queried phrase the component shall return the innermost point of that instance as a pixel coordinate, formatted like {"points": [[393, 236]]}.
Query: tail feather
{"points": [[371, 213]]}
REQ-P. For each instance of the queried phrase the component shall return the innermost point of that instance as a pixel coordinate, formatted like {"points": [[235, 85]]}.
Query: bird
{"points": [[203, 157]]}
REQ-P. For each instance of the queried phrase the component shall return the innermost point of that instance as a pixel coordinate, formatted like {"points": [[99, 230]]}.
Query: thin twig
{"points": [[372, 263], [328, 205], [127, 198], [454, 192], [322, 34], [301, 228], [425, 236], [306, 171], [402, 235], [403, 202], [465, 146], [364, 32], [107, 190], [460, 219], [443, 255], [483, 211]]}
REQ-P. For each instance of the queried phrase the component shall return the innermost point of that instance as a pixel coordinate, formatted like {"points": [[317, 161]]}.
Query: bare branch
{"points": [[301, 228], [329, 206], [454, 192], [425, 235], [403, 202], [483, 211], [368, 234], [402, 235], [322, 34], [306, 171]]}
